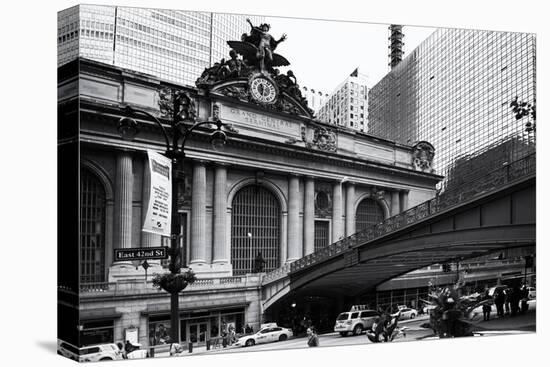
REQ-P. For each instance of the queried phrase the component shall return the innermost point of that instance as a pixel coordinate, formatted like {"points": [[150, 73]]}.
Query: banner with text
{"points": [[159, 211]]}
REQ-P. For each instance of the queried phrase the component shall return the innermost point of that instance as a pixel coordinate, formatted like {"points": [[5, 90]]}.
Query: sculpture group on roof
{"points": [[258, 58]]}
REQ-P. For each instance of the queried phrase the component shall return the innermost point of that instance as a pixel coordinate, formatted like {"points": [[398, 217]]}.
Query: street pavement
{"points": [[519, 324]]}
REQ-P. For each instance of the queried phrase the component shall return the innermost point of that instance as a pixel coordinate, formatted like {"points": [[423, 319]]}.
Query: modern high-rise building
{"points": [[347, 105], [315, 98], [454, 91], [171, 44]]}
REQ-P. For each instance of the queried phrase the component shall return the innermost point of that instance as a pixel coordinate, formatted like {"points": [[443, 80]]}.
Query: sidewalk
{"points": [[525, 321]]}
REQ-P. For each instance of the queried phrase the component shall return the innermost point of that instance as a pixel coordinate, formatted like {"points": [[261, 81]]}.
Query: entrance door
{"points": [[197, 332]]}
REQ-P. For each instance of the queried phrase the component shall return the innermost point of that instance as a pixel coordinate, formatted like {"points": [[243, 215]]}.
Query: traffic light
{"points": [[528, 261]]}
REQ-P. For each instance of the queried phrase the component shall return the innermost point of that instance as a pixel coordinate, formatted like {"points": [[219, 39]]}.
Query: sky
{"points": [[323, 53]]}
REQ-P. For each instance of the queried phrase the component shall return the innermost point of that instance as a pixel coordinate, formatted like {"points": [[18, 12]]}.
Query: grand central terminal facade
{"points": [[285, 185]]}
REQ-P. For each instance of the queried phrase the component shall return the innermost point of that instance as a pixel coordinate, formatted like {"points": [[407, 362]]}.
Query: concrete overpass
{"points": [[491, 214]]}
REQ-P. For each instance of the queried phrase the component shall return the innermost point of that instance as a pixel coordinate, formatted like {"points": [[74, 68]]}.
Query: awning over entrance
{"points": [[99, 314], [203, 305]]}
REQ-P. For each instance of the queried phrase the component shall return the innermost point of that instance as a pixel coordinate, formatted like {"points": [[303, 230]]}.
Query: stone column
{"points": [[404, 200], [220, 254], [350, 208], [123, 200], [394, 202], [294, 244], [337, 230], [198, 214], [148, 239], [309, 216]]}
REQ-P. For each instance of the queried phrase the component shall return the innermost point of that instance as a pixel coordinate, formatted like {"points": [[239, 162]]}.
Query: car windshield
{"points": [[343, 316]]}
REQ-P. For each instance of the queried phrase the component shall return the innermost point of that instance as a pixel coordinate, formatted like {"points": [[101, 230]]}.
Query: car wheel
{"points": [[343, 333], [413, 315], [250, 342], [105, 359], [357, 330], [282, 337]]}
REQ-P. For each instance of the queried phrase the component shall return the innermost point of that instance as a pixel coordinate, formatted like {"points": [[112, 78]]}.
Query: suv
{"points": [[90, 353], [356, 320]]}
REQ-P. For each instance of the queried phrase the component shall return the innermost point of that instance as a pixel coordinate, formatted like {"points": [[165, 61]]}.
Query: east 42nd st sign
{"points": [[151, 253]]}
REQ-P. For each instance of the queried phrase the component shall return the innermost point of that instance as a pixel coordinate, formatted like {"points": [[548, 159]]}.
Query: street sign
{"points": [[147, 253]]}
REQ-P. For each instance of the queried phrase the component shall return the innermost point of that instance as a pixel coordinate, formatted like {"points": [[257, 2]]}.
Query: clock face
{"points": [[263, 90]]}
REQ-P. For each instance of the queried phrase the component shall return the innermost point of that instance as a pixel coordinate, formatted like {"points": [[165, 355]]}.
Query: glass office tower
{"points": [[171, 44], [454, 90]]}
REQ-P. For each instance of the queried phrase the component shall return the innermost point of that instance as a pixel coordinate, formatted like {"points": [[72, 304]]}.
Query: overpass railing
{"points": [[494, 179]]}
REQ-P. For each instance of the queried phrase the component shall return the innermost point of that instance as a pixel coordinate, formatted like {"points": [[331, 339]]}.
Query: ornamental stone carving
{"points": [[323, 139], [377, 193], [422, 157]]}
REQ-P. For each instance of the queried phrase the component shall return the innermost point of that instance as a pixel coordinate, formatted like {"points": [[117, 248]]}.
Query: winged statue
{"points": [[258, 46]]}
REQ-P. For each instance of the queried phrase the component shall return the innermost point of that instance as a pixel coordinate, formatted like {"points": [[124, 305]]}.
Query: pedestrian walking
{"points": [[514, 300], [486, 311], [499, 302], [313, 339], [507, 301]]}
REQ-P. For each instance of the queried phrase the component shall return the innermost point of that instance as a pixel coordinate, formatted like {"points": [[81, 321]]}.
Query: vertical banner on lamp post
{"points": [[159, 212]]}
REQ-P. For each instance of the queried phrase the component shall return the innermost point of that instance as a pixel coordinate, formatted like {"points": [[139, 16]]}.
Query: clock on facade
{"points": [[263, 90]]}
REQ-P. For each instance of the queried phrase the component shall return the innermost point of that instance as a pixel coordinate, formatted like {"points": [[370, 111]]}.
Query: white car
{"points": [[355, 321], [408, 313], [267, 334], [90, 353]]}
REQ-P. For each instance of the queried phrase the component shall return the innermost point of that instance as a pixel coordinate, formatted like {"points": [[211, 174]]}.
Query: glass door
{"points": [[197, 332]]}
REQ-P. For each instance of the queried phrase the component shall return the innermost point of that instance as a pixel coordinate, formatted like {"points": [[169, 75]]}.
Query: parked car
{"points": [[407, 313], [137, 352], [356, 321], [90, 353], [268, 334]]}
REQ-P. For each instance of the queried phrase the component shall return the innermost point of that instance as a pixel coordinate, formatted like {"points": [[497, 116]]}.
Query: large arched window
{"points": [[255, 227], [92, 228], [369, 212]]}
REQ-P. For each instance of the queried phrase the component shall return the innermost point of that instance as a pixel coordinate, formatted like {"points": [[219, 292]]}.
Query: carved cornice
{"points": [[109, 115]]}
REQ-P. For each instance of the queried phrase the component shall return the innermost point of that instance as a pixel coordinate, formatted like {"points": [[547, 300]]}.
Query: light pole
{"points": [[179, 108], [249, 234]]}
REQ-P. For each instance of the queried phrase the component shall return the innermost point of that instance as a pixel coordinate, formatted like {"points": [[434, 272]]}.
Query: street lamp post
{"points": [[249, 234], [179, 108]]}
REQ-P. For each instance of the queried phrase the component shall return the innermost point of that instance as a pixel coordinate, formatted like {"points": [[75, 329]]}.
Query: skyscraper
{"points": [[347, 105], [315, 98], [455, 90], [171, 44]]}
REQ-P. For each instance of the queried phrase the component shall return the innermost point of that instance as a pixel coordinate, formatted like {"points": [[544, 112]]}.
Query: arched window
{"points": [[369, 212], [255, 211], [92, 228]]}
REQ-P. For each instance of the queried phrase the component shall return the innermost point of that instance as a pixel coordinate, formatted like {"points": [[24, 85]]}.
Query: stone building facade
{"points": [[284, 186]]}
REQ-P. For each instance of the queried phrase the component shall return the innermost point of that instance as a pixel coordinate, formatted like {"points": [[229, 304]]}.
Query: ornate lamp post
{"points": [[178, 107]]}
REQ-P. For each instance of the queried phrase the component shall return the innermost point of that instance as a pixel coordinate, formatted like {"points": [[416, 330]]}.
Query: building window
{"points": [[92, 228], [97, 332], [321, 234], [369, 213], [255, 210]]}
